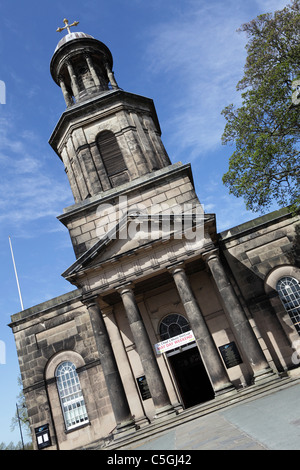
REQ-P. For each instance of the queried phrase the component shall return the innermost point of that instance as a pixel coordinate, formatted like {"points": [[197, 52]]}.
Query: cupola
{"points": [[106, 137], [82, 66]]}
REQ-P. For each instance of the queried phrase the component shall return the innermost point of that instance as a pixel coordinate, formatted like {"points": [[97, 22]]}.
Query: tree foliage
{"points": [[265, 165], [18, 446], [20, 419], [21, 415]]}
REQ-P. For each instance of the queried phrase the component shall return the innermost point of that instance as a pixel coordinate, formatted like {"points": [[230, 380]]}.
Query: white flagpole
{"points": [[19, 290]]}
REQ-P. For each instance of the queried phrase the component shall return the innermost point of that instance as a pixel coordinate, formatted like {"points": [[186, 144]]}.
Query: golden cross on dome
{"points": [[67, 26]]}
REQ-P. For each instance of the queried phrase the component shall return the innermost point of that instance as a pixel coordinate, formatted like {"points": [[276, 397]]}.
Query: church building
{"points": [[165, 314]]}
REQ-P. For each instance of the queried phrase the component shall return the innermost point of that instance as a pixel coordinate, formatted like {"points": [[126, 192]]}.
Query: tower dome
{"points": [[82, 66], [71, 37]]}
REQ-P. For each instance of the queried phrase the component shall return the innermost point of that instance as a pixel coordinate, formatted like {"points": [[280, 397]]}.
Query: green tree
{"points": [[18, 446], [21, 417], [265, 166]]}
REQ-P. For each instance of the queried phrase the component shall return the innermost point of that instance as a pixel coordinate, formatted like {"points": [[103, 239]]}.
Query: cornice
{"points": [[106, 196], [84, 112]]}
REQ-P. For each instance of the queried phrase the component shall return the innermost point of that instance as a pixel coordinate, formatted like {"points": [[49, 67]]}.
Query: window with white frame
{"points": [[70, 394], [288, 289]]}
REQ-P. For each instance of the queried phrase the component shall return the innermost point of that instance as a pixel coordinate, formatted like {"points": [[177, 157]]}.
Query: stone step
{"points": [[159, 427]]}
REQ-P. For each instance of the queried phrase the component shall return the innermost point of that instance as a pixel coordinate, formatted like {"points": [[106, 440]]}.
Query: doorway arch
{"points": [[186, 363]]}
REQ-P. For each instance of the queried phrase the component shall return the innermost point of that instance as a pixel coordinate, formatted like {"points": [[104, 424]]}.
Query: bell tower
{"points": [[110, 143], [82, 69], [106, 137]]}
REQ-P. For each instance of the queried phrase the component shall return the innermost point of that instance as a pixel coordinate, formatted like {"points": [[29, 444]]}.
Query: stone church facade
{"points": [[165, 313]]}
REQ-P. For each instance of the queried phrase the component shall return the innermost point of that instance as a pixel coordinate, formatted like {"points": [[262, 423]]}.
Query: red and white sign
{"points": [[175, 342]]}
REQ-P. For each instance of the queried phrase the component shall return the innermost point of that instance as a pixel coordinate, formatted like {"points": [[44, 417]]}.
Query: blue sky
{"points": [[184, 54]]}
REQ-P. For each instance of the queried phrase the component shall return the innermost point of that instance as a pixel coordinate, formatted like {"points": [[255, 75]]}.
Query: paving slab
{"points": [[270, 422], [213, 432], [273, 420]]}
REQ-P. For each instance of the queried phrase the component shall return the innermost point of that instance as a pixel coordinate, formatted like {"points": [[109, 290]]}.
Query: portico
{"points": [[121, 286]]}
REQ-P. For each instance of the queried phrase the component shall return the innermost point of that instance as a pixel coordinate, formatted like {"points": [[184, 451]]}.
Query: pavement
{"points": [[268, 422]]}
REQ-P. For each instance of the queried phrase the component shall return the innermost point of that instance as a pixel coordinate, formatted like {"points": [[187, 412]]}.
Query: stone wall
{"points": [[45, 336], [132, 120], [254, 251], [167, 190], [60, 329]]}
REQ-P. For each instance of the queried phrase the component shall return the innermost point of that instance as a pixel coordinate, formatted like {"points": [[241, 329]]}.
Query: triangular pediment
{"points": [[135, 233]]}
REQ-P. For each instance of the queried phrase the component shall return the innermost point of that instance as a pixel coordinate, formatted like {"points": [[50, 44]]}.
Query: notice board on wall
{"points": [[230, 354]]}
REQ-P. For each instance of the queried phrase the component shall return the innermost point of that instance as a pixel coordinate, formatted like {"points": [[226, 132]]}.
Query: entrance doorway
{"points": [[191, 376], [186, 363]]}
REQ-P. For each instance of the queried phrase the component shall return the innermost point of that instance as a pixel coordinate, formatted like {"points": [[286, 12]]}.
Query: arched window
{"points": [[111, 154], [288, 289], [70, 394], [173, 325]]}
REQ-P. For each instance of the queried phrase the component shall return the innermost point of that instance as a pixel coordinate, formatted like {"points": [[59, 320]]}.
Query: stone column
{"points": [[145, 350], [73, 78], [125, 422], [118, 346], [207, 348], [237, 318], [92, 70], [111, 76], [67, 96]]}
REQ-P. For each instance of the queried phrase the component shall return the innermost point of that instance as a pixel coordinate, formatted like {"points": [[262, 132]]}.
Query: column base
{"points": [[142, 422], [178, 407], [225, 389], [165, 412], [263, 375], [294, 373], [124, 429]]}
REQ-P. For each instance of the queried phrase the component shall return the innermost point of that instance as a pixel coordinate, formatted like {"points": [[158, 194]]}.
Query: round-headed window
{"points": [[70, 394], [173, 325], [288, 289]]}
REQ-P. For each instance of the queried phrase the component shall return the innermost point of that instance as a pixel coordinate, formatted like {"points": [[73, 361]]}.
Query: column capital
{"points": [[176, 268], [89, 300], [209, 255], [125, 288]]}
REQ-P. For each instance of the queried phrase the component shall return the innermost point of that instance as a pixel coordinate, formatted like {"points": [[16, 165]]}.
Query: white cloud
{"points": [[29, 190], [269, 6], [200, 56]]}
